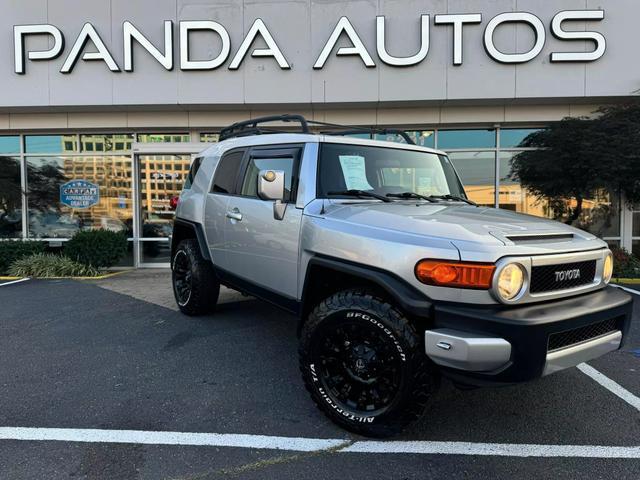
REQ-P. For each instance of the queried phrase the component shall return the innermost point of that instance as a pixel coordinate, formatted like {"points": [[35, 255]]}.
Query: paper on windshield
{"points": [[355, 173]]}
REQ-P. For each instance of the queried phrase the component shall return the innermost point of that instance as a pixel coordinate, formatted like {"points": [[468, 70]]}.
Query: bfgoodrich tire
{"points": [[363, 364], [195, 285]]}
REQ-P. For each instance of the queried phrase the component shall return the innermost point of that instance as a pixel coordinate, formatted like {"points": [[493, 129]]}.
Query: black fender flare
{"points": [[408, 298], [198, 232]]}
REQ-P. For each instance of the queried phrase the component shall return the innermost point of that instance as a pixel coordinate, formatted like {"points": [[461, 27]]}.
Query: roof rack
{"points": [[252, 127]]}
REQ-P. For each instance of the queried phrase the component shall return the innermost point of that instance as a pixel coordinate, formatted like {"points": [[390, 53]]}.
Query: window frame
{"points": [[273, 151]]}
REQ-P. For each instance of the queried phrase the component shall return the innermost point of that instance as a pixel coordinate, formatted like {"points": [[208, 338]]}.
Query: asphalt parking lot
{"points": [[112, 362]]}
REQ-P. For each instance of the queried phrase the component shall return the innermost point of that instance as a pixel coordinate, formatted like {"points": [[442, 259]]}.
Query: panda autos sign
{"points": [[79, 194], [564, 26]]}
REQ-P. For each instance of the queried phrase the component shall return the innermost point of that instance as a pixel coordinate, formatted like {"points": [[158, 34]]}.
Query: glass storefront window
{"points": [[477, 172], [636, 224], [457, 139], [51, 144], [116, 143], [635, 248], [10, 144], [10, 198], [209, 137], [424, 138], [513, 137], [164, 137], [600, 214], [50, 218], [161, 177], [156, 252]]}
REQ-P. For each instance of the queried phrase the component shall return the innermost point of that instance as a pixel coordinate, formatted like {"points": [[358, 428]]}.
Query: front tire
{"points": [[363, 364], [195, 285]]}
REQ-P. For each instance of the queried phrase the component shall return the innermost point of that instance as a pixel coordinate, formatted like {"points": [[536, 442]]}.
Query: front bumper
{"points": [[477, 345]]}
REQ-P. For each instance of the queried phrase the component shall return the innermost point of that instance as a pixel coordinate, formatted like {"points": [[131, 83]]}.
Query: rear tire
{"points": [[195, 285], [364, 364]]}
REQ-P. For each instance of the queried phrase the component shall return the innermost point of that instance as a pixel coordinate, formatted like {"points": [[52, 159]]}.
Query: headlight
{"points": [[510, 281], [607, 271]]}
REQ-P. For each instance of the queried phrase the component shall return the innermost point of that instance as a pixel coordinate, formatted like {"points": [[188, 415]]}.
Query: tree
{"points": [[577, 158]]}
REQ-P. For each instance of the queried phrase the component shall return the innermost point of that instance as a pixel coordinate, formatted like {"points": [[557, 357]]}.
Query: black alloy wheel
{"points": [[195, 285], [364, 364]]}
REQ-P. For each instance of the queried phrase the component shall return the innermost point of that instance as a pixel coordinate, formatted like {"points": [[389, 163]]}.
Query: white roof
{"points": [[283, 138]]}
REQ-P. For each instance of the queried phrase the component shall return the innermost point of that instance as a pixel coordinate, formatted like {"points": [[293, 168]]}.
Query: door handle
{"points": [[235, 215]]}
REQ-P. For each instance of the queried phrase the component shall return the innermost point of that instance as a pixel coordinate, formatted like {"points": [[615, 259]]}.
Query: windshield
{"points": [[385, 171]]}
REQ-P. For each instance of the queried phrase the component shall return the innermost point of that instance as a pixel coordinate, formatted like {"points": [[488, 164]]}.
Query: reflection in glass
{"points": [[10, 144], [118, 143], [453, 139], [636, 224], [51, 143], [635, 248], [600, 213], [49, 218], [161, 177], [476, 170], [127, 260], [513, 137], [164, 137], [424, 138], [10, 198], [156, 252], [209, 137]]}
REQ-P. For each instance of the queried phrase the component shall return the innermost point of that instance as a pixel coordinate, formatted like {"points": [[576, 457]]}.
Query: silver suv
{"points": [[397, 278]]}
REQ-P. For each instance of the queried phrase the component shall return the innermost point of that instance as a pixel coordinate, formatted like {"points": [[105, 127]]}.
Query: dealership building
{"points": [[104, 103]]}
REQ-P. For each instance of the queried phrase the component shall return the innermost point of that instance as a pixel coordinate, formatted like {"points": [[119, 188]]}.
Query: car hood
{"points": [[455, 222]]}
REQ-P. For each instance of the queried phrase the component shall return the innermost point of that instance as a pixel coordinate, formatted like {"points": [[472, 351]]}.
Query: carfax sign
{"points": [[79, 194]]}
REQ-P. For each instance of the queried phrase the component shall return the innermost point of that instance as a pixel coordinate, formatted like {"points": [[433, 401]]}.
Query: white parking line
{"points": [[610, 385], [14, 281], [494, 449], [630, 290], [299, 444]]}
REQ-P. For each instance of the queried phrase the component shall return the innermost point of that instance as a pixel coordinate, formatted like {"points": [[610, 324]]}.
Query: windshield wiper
{"points": [[454, 197], [359, 193], [409, 195]]}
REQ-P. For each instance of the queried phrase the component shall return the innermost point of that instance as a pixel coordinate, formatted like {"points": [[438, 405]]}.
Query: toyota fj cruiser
{"points": [[395, 275]]}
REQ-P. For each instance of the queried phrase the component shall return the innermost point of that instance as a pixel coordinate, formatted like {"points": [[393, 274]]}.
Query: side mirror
{"points": [[271, 184], [271, 187]]}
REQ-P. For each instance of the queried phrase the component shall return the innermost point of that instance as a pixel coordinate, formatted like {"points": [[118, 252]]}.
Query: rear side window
{"points": [[195, 166], [224, 180]]}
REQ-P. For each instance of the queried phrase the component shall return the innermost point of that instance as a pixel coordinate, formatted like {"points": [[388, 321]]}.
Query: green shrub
{"points": [[625, 264], [11, 250], [98, 248], [43, 265]]}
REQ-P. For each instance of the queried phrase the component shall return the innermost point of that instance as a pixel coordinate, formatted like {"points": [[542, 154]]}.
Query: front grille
{"points": [[582, 334], [549, 278]]}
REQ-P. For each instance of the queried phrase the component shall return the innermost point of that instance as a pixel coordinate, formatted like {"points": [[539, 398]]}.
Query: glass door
{"points": [[160, 172]]}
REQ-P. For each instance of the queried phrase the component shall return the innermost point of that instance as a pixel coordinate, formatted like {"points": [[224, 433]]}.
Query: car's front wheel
{"points": [[195, 285], [364, 365]]}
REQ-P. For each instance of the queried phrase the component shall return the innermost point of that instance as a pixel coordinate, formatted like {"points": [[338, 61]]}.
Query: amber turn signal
{"points": [[455, 274]]}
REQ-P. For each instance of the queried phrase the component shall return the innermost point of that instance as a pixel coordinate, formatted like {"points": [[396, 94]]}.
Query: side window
{"points": [[224, 180], [195, 166], [250, 182]]}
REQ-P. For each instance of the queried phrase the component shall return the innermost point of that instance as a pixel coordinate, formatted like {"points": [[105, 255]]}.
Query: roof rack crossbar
{"points": [[252, 127]]}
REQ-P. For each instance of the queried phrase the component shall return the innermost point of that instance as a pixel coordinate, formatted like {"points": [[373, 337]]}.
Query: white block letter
{"points": [[87, 33], [185, 28], [458, 22], [272, 49], [598, 38], [20, 31], [130, 32], [344, 26], [516, 17], [402, 61]]}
